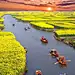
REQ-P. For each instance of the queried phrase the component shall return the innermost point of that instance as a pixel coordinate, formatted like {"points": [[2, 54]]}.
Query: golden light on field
{"points": [[49, 8]]}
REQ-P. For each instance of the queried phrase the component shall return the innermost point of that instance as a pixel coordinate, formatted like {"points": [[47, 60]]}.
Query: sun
{"points": [[49, 8]]}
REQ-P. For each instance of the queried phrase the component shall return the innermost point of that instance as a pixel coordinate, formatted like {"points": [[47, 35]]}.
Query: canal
{"points": [[37, 56]]}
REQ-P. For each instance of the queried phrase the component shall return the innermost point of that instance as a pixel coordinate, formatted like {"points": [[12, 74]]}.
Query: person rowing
{"points": [[13, 24], [61, 60], [43, 38], [53, 52], [25, 29], [38, 72], [28, 27]]}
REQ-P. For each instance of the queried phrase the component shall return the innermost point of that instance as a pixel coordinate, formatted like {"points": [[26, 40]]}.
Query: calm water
{"points": [[37, 56]]}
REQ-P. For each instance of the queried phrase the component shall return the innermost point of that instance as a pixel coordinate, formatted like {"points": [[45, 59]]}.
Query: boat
{"points": [[54, 53], [38, 72], [13, 24], [44, 40], [25, 29], [62, 62], [28, 27]]}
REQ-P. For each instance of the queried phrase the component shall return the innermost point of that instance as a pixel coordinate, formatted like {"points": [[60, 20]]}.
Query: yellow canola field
{"points": [[65, 32], [12, 55], [42, 25]]}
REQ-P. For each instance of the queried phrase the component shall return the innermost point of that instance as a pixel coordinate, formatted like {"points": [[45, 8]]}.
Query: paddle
{"points": [[68, 60], [58, 62], [49, 54], [63, 74]]}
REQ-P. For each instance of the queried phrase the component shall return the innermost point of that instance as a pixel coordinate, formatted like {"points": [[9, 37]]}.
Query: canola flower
{"points": [[44, 16], [7, 34], [1, 20], [12, 55], [1, 26], [69, 32], [64, 25], [30, 18], [42, 25], [1, 23]]}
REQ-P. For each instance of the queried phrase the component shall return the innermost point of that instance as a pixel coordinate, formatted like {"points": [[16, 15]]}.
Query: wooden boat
{"points": [[62, 63], [44, 40], [54, 53], [25, 29], [28, 27], [38, 72], [13, 24]]}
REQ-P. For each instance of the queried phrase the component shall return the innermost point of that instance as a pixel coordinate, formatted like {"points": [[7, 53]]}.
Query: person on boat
{"points": [[51, 52], [61, 59], [54, 53], [25, 28], [39, 74], [13, 24], [42, 38], [28, 27]]}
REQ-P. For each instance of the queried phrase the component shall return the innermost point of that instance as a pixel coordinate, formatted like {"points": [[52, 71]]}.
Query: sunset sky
{"points": [[59, 4], [42, 1], [37, 2]]}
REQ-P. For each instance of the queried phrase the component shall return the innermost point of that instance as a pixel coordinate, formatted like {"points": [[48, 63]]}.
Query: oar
{"points": [[49, 54], [63, 74], [58, 62], [68, 60]]}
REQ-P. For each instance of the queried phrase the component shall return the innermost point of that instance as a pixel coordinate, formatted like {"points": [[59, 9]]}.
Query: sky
{"points": [[60, 4], [37, 2]]}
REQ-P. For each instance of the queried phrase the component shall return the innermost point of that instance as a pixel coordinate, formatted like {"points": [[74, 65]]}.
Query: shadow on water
{"points": [[37, 56]]}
